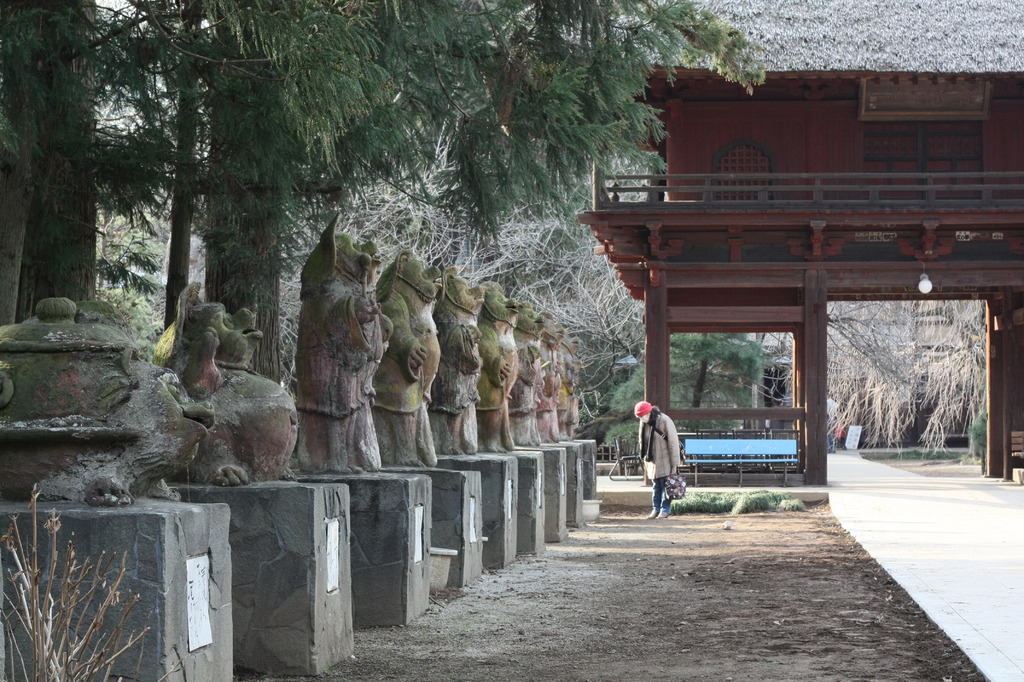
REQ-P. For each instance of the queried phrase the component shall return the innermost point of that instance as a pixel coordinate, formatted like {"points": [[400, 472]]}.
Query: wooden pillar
{"points": [[656, 359], [797, 390], [997, 437], [814, 358], [1012, 347]]}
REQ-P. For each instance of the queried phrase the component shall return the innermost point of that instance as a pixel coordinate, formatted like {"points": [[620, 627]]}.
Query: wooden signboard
{"points": [[905, 99]]}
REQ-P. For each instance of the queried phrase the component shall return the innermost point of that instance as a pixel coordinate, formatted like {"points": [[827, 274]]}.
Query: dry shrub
{"points": [[60, 606]]}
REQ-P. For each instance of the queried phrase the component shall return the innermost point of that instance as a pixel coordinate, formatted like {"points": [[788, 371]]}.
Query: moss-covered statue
{"points": [[551, 380], [568, 397], [342, 336], [408, 291], [454, 394], [82, 416], [522, 404], [500, 367], [256, 424]]}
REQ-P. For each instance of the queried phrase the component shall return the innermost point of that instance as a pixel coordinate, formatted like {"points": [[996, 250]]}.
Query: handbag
{"points": [[675, 486]]}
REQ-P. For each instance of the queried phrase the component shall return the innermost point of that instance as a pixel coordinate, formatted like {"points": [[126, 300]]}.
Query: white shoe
{"points": [[663, 515], [653, 514]]}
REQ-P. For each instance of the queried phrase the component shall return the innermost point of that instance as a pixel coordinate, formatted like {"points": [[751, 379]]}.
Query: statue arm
{"points": [[403, 346], [201, 376]]}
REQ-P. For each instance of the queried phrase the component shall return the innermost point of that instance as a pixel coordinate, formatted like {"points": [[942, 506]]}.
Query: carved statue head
{"points": [[198, 323], [456, 292], [337, 256], [497, 306], [530, 322], [553, 331], [423, 280]]}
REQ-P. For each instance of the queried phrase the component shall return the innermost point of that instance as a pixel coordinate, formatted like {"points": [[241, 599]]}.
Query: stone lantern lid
{"points": [[54, 329]]}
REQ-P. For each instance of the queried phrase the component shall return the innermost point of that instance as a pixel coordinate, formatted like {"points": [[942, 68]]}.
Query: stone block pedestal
{"points": [[555, 486], [178, 560], [588, 467], [573, 483], [499, 481], [291, 574], [530, 502], [456, 521], [390, 520]]}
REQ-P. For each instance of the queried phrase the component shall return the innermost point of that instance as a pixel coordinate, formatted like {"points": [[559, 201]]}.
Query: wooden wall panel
{"points": [[1004, 136], [803, 136]]}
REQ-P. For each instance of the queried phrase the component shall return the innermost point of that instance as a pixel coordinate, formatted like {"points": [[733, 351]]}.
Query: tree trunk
{"points": [[182, 206], [59, 252], [240, 273], [15, 195], [183, 192], [698, 386]]}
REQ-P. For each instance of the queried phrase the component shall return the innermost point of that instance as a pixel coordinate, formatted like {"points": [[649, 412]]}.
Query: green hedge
{"points": [[736, 503]]}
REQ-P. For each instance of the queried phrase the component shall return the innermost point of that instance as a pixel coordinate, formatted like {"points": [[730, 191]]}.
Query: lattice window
{"points": [[742, 157], [922, 147]]}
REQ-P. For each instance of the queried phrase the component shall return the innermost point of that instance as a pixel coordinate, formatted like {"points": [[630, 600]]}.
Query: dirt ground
{"points": [[776, 596]]}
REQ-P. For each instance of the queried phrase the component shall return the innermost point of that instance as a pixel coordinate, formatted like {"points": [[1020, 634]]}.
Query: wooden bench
{"points": [[739, 454], [1017, 443]]}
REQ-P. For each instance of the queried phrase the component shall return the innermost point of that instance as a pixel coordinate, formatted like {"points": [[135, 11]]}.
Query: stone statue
{"points": [[551, 380], [454, 393], [211, 351], [342, 337], [522, 404], [500, 360], [82, 416], [407, 293], [568, 399]]}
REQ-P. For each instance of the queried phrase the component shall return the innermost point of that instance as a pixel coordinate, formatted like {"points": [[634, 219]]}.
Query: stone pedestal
{"points": [[573, 483], [588, 467], [456, 521], [3, 609], [390, 519], [530, 502], [554, 493], [178, 560], [291, 580], [499, 481]]}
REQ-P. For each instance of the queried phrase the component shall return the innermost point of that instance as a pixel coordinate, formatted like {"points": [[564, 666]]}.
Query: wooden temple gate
{"points": [[776, 204]]}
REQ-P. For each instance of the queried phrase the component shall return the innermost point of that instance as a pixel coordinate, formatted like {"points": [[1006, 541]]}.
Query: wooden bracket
{"points": [[735, 254], [930, 246], [661, 248], [818, 249], [655, 276]]}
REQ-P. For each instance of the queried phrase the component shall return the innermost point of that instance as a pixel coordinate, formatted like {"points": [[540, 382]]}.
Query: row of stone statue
{"points": [[388, 373]]}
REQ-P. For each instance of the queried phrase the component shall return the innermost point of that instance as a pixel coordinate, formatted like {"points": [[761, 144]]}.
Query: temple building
{"points": [[882, 159]]}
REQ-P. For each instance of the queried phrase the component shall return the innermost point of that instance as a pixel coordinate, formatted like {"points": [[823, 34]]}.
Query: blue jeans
{"points": [[658, 499]]}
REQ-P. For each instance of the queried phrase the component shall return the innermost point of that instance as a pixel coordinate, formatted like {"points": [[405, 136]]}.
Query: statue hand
{"points": [[367, 312], [417, 358]]}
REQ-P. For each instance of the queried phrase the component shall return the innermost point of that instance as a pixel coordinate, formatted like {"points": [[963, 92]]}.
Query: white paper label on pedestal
{"points": [[333, 545], [474, 536], [509, 501], [197, 599], [418, 554], [561, 476], [852, 438]]}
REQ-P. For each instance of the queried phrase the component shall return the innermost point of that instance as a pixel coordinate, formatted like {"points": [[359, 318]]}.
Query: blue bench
{"points": [[740, 453]]}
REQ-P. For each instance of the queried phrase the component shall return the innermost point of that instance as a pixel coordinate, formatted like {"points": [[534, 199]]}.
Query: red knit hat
{"points": [[643, 407]]}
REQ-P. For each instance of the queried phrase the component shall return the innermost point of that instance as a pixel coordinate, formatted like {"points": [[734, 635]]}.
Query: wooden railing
{"points": [[750, 191]]}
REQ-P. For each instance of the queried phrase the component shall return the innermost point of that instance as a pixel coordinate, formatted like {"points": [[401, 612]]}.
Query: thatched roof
{"points": [[923, 36]]}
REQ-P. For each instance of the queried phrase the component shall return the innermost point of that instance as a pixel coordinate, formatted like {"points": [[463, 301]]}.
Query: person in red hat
{"points": [[659, 447]]}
